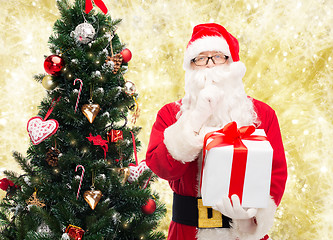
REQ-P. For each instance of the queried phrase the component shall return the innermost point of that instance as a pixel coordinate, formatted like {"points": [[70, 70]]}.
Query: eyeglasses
{"points": [[203, 60]]}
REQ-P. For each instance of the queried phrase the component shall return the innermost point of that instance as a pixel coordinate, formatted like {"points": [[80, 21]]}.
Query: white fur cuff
{"points": [[265, 220], [182, 142]]}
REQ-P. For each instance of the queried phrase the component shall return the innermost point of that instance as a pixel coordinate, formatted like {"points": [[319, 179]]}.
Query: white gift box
{"points": [[217, 171]]}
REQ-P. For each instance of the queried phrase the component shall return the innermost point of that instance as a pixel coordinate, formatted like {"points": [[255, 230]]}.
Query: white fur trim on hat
{"points": [[208, 43]]}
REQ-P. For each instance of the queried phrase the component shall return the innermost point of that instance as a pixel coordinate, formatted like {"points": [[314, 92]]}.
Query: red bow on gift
{"points": [[231, 135], [97, 140], [99, 4]]}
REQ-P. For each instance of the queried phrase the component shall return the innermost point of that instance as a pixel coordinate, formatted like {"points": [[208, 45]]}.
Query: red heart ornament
{"points": [[136, 171], [40, 129]]}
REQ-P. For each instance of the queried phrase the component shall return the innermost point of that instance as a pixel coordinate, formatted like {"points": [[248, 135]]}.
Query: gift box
{"points": [[237, 161], [74, 232], [115, 135]]}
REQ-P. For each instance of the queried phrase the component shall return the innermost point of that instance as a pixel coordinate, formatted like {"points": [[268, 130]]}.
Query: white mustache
{"points": [[216, 75]]}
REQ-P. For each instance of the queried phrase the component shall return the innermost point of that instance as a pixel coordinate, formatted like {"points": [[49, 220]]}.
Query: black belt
{"points": [[190, 211]]}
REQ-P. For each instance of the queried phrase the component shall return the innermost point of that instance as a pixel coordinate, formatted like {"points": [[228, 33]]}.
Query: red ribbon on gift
{"points": [[231, 135], [99, 3]]}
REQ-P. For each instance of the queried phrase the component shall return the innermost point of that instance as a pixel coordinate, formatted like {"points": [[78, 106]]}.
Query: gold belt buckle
{"points": [[205, 221]]}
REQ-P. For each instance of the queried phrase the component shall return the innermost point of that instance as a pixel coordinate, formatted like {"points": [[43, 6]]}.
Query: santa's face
{"points": [[233, 105]]}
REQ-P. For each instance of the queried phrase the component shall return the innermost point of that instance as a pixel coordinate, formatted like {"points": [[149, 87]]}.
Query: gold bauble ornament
{"points": [[123, 173], [48, 83]]}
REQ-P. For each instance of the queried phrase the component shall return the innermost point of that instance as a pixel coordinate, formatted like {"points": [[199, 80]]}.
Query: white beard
{"points": [[234, 104]]}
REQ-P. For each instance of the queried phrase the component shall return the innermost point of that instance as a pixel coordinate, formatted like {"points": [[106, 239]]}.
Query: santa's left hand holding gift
{"points": [[233, 209]]}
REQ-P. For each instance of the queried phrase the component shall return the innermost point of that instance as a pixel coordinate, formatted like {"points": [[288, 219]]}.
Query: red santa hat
{"points": [[211, 37]]}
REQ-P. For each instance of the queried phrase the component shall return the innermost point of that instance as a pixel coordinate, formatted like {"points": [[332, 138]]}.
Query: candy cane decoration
{"points": [[78, 96], [78, 191]]}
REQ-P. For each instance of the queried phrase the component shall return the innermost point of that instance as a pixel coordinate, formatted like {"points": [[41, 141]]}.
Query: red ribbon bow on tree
{"points": [[5, 184], [231, 135], [99, 3], [97, 140]]}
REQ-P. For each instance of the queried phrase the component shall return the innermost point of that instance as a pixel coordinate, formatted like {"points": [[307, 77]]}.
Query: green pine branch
{"points": [[23, 162]]}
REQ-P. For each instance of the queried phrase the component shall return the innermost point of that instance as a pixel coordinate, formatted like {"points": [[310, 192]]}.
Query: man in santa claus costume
{"points": [[214, 97]]}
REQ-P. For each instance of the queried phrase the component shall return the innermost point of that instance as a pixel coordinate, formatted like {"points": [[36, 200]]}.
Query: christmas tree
{"points": [[81, 176]]}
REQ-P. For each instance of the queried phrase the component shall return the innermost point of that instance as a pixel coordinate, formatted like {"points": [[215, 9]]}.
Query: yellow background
{"points": [[286, 46]]}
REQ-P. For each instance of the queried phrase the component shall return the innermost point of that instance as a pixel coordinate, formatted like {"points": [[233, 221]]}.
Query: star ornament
{"points": [[33, 200]]}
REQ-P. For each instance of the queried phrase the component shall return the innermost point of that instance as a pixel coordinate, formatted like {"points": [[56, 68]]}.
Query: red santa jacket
{"points": [[182, 176]]}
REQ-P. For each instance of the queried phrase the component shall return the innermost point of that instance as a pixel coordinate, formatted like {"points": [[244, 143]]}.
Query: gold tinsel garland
{"points": [[286, 46]]}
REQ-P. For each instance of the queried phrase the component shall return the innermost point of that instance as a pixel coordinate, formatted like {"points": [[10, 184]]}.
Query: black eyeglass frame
{"points": [[211, 57]]}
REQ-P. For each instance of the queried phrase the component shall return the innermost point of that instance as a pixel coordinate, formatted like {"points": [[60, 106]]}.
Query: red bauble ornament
{"points": [[149, 207], [127, 55], [54, 64]]}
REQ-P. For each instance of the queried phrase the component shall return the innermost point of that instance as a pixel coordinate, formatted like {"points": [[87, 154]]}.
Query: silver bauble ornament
{"points": [[129, 88], [65, 236], [84, 33]]}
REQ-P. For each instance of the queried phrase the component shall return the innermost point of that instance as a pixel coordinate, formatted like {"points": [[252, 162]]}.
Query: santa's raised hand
{"points": [[206, 105]]}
